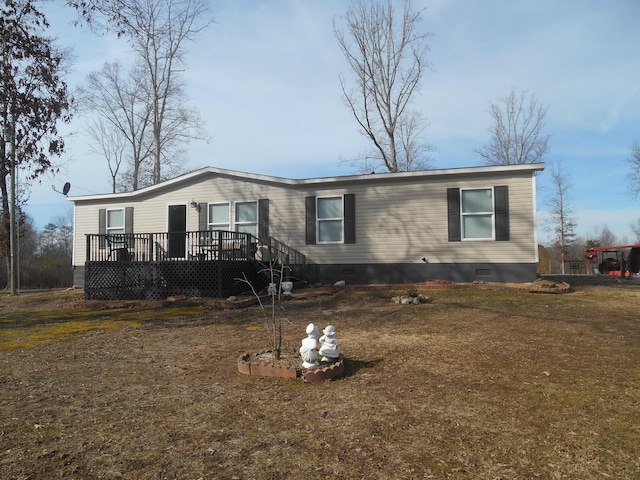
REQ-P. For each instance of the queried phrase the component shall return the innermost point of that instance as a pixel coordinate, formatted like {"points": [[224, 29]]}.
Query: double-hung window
{"points": [[330, 219], [113, 224], [115, 221], [246, 217], [477, 214], [218, 216]]}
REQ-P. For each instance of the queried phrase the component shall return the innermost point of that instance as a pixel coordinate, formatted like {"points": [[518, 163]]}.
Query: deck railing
{"points": [[157, 247], [197, 245], [275, 252]]}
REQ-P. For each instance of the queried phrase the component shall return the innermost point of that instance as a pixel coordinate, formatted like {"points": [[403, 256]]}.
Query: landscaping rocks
{"points": [[411, 299]]}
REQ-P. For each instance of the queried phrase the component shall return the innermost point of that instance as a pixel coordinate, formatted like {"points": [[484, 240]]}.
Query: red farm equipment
{"points": [[620, 260]]}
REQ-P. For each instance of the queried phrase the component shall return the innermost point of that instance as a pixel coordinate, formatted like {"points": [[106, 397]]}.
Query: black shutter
{"points": [[501, 205], [263, 219], [202, 216], [310, 218], [453, 209], [350, 218], [128, 220], [102, 227]]}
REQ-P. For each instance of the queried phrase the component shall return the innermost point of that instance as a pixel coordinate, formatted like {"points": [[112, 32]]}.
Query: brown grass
{"points": [[479, 384]]}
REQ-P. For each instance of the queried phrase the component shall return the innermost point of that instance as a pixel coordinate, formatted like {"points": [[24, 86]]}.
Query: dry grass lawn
{"points": [[479, 384]]}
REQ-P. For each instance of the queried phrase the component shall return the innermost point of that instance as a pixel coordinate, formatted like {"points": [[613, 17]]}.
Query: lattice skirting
{"points": [[157, 280]]}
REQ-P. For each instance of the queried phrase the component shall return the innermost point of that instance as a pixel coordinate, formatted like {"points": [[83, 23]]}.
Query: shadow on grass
{"points": [[36, 318], [351, 366]]}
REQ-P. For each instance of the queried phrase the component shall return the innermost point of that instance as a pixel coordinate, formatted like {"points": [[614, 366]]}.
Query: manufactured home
{"points": [[204, 232]]}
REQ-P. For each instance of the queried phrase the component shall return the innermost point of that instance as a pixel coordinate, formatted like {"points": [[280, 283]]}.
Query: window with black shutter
{"points": [[330, 219], [478, 213]]}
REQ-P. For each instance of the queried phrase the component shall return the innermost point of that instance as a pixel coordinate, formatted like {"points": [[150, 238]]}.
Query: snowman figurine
{"points": [[329, 345], [309, 348]]}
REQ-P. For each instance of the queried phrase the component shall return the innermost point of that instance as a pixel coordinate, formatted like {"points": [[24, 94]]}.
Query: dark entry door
{"points": [[177, 231]]}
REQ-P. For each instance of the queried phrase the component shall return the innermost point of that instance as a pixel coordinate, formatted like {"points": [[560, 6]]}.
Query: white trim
{"points": [[493, 215], [73, 238], [186, 226], [318, 241], [124, 220], [229, 220], [535, 217], [235, 212]]}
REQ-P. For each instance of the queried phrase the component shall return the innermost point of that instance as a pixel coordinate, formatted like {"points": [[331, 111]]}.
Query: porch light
{"points": [[195, 205]]}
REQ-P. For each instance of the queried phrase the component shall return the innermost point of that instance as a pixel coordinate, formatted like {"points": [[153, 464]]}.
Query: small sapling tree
{"points": [[275, 267]]}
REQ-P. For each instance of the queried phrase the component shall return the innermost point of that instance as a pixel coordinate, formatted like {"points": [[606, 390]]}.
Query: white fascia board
{"points": [[254, 177]]}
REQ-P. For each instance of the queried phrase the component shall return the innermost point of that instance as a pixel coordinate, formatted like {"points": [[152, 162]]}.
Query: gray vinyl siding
{"points": [[150, 213], [397, 220], [402, 224]]}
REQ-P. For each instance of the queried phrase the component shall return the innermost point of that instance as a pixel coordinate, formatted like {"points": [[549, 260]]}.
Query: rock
{"points": [[340, 283], [411, 299], [424, 299], [176, 298], [232, 299], [545, 283]]}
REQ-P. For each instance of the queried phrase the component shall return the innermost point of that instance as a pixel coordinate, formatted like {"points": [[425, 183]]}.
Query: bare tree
{"points": [[388, 55], [51, 265], [157, 31], [635, 228], [123, 107], [108, 143], [517, 135], [634, 176], [562, 222], [602, 237]]}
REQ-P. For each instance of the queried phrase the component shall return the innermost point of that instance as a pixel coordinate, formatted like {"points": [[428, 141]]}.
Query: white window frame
{"points": [[491, 213], [237, 224], [329, 219], [115, 230], [216, 225]]}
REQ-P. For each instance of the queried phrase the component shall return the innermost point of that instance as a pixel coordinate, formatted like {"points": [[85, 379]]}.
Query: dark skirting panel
{"points": [[397, 273], [130, 280]]}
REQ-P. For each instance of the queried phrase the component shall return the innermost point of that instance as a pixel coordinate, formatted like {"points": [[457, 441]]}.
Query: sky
{"points": [[265, 80]]}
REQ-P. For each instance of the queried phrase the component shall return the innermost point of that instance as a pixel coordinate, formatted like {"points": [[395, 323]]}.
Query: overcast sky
{"points": [[264, 78]]}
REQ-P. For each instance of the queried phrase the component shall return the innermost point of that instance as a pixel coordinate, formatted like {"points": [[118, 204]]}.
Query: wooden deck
{"points": [[194, 264]]}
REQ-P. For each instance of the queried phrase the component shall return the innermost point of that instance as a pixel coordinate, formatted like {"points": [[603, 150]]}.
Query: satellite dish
{"points": [[65, 189]]}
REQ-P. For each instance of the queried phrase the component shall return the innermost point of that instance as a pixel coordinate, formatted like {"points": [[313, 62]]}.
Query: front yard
{"points": [[478, 384]]}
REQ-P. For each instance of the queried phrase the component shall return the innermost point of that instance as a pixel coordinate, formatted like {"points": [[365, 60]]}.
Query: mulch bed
{"points": [[546, 284]]}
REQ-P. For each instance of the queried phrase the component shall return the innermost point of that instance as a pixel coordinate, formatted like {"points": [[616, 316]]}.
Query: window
{"points": [[330, 220], [115, 221], [218, 216], [246, 219], [477, 214]]}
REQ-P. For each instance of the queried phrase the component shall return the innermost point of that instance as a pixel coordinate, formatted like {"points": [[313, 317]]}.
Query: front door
{"points": [[177, 231]]}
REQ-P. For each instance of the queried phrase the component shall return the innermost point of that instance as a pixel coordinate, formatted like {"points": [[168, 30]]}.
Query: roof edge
{"points": [[533, 167]]}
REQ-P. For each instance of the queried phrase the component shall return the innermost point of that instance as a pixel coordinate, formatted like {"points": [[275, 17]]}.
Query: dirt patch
{"points": [[290, 359]]}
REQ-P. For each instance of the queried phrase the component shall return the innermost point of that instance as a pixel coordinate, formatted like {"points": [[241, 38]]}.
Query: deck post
{"points": [[150, 245], [219, 265]]}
